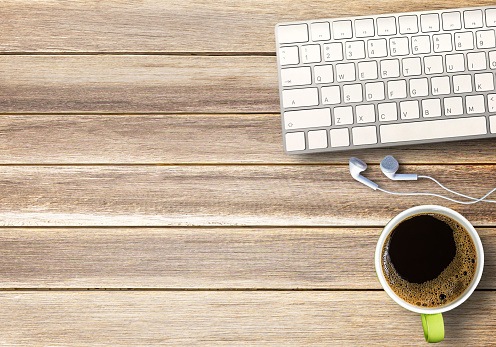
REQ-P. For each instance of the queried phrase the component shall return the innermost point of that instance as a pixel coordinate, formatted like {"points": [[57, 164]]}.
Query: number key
{"points": [[377, 48], [355, 50], [485, 39], [399, 46], [442, 43], [310, 54], [333, 51]]}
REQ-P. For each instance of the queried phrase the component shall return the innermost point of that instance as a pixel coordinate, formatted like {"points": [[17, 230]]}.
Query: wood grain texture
{"points": [[138, 83], [227, 318], [199, 258], [190, 139], [172, 26], [224, 195]]}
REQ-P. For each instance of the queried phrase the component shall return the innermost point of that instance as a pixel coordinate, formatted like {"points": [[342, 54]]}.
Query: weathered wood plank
{"points": [[189, 138], [138, 83], [172, 26], [231, 318], [192, 258], [223, 195]]}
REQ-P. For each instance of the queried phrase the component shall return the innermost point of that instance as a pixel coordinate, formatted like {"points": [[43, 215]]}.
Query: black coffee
{"points": [[429, 260]]}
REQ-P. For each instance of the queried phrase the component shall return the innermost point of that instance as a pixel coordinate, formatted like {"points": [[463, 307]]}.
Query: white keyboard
{"points": [[387, 80]]}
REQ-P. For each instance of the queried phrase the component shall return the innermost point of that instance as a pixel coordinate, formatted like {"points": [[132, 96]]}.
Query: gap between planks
{"points": [[205, 54], [268, 290]]}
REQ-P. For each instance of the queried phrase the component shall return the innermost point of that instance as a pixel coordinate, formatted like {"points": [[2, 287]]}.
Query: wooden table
{"points": [[145, 198]]}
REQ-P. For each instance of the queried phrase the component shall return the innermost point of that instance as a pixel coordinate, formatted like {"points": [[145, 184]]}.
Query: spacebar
{"points": [[435, 129]]}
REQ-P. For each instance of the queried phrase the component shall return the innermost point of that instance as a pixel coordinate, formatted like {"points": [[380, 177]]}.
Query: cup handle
{"points": [[433, 325]]}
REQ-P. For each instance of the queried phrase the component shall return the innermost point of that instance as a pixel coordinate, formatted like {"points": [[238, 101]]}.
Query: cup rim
{"points": [[429, 209]]}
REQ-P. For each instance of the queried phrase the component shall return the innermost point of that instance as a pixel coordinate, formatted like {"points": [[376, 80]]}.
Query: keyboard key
{"points": [[317, 139], [331, 95], [484, 82], [295, 141], [333, 51], [453, 106], [491, 102], [292, 33], [455, 62], [491, 17], [386, 26], [345, 72], [396, 89], [320, 31], [310, 54], [355, 50], [390, 68], [492, 60], [462, 84], [419, 87], [377, 48], [442, 43], [476, 61], [388, 111], [316, 118], [343, 115], [431, 108], [399, 46], [339, 137], [367, 70], [364, 135], [408, 24], [440, 85], [429, 22], [433, 64], [300, 97], [492, 124], [464, 41], [296, 76], [365, 114], [433, 129], [374, 91], [485, 39], [288, 55], [323, 74], [451, 20], [411, 67], [352, 93], [409, 109], [421, 44], [475, 104], [364, 27], [472, 19], [342, 29]]}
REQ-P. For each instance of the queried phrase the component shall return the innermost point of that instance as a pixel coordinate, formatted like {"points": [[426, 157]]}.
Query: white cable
{"points": [[441, 196], [459, 194]]}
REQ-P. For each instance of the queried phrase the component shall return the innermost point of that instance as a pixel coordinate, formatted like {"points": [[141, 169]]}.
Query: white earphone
{"points": [[389, 166]]}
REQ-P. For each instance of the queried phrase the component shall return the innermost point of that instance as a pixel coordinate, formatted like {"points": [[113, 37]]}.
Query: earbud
{"points": [[389, 166], [356, 167]]}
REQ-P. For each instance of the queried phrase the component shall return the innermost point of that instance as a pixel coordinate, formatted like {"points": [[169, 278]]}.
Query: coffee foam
{"points": [[452, 281]]}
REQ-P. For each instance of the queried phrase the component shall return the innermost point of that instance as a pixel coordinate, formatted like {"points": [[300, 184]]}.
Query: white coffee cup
{"points": [[431, 317]]}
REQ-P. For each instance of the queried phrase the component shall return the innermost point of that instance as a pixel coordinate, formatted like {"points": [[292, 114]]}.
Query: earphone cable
{"points": [[441, 196], [459, 194]]}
